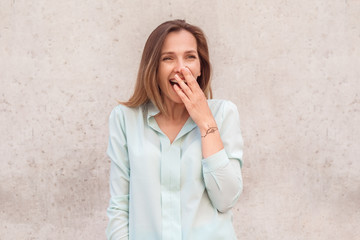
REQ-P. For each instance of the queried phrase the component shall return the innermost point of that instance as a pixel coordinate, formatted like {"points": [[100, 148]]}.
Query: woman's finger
{"points": [[183, 86], [181, 94], [189, 77]]}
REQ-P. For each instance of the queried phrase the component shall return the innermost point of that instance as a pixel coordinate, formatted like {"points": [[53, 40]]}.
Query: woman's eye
{"points": [[166, 58], [192, 56]]}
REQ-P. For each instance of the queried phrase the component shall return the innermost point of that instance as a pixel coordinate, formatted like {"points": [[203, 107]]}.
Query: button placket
{"points": [[170, 189]]}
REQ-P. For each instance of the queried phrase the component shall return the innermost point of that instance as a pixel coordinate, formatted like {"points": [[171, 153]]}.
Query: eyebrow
{"points": [[189, 51]]}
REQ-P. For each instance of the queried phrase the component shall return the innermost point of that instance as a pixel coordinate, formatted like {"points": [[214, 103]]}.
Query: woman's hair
{"points": [[147, 87]]}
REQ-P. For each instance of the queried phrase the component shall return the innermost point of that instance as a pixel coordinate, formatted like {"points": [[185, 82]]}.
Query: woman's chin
{"points": [[174, 99], [177, 100]]}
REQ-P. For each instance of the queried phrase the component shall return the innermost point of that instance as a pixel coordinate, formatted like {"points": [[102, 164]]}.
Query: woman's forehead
{"points": [[179, 41]]}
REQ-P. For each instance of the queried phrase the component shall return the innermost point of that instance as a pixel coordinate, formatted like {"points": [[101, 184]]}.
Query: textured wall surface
{"points": [[291, 67]]}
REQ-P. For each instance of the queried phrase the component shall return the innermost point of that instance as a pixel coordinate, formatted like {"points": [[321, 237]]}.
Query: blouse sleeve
{"points": [[118, 210], [222, 170]]}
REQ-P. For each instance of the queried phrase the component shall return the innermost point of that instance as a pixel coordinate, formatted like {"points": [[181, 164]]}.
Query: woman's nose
{"points": [[179, 64]]}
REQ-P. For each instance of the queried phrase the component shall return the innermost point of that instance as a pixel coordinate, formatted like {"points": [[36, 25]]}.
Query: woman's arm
{"points": [[198, 108], [221, 166], [222, 170], [118, 210]]}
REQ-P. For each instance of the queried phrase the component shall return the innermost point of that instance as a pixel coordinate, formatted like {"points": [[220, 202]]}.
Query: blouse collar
{"points": [[152, 110]]}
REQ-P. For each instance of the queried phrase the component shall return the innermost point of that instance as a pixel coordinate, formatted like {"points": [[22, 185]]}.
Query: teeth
{"points": [[172, 82]]}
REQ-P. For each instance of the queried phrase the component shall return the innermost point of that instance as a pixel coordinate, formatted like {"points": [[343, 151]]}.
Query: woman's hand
{"points": [[194, 100]]}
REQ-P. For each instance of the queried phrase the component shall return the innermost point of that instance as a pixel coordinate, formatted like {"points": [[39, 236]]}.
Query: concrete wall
{"points": [[292, 68]]}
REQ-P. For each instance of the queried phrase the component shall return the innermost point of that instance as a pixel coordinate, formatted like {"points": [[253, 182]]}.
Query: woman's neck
{"points": [[176, 112]]}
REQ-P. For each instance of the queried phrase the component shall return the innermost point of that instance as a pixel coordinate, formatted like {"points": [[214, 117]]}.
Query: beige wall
{"points": [[291, 67]]}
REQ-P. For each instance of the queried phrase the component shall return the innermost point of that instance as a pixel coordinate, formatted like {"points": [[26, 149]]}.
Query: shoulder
{"points": [[222, 107], [122, 109], [123, 113]]}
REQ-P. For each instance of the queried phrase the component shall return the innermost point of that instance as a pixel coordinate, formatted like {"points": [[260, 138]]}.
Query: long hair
{"points": [[147, 87]]}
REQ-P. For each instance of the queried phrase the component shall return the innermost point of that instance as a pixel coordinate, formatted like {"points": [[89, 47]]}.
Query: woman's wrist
{"points": [[209, 131], [208, 127]]}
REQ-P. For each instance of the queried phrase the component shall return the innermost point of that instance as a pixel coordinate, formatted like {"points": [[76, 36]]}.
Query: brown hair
{"points": [[146, 87]]}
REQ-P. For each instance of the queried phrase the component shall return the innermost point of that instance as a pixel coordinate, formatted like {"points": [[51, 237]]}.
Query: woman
{"points": [[175, 155]]}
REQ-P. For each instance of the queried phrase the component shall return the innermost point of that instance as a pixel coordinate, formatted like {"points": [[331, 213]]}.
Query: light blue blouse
{"points": [[162, 190]]}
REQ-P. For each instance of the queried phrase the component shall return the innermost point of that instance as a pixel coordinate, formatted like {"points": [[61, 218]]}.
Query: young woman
{"points": [[176, 156]]}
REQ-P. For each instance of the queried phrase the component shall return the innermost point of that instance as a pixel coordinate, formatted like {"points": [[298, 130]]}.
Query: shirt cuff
{"points": [[215, 161]]}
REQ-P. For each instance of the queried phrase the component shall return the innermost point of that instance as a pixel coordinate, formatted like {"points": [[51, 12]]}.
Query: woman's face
{"points": [[179, 50]]}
